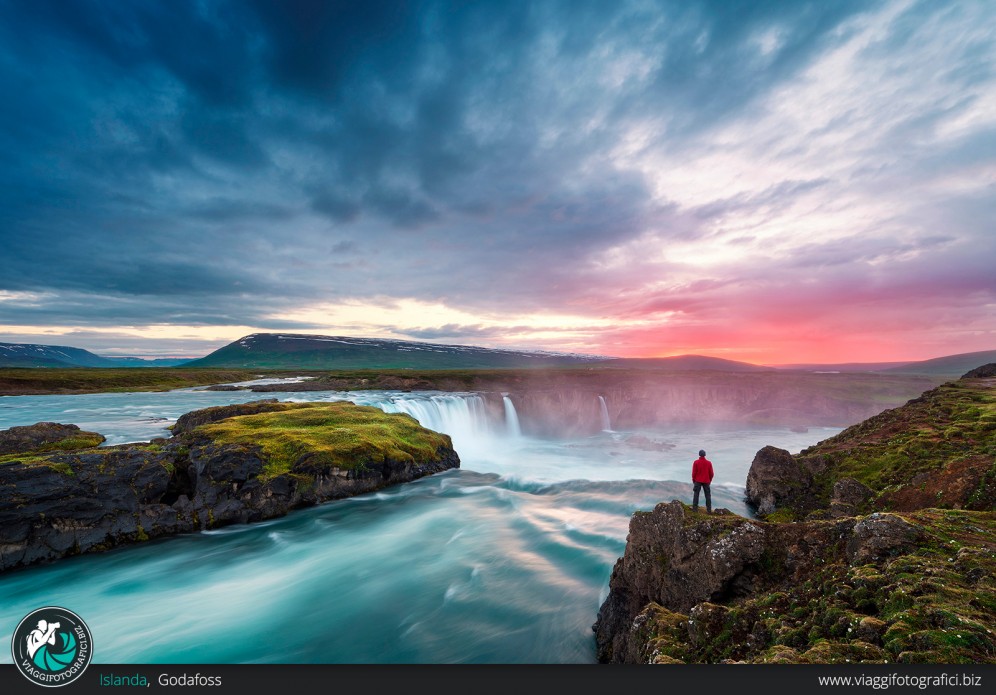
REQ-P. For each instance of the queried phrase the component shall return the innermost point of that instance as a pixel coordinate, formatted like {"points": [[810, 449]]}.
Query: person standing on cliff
{"points": [[701, 478]]}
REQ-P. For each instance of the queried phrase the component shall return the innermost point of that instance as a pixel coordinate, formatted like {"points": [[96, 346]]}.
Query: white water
{"points": [[511, 418], [505, 560], [604, 410]]}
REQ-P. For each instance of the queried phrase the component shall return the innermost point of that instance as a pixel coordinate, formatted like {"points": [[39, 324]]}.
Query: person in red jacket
{"points": [[702, 477]]}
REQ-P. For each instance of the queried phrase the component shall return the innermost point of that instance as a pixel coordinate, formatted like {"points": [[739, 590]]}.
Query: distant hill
{"points": [[847, 367], [29, 355], [26, 355], [684, 363], [952, 365], [142, 362], [290, 351]]}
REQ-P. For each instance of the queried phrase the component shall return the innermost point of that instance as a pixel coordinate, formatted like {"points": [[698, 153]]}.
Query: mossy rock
{"points": [[327, 436], [31, 444]]}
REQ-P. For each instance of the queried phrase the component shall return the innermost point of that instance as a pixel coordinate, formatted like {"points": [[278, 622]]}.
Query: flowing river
{"points": [[503, 561]]}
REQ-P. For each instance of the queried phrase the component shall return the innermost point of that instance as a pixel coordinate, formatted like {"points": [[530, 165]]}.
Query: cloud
{"points": [[236, 163]]}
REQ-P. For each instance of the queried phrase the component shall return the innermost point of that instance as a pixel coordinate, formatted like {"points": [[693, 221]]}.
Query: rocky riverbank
{"points": [[62, 495], [829, 576]]}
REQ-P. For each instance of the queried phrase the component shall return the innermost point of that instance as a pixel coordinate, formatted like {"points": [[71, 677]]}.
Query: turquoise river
{"points": [[503, 561]]}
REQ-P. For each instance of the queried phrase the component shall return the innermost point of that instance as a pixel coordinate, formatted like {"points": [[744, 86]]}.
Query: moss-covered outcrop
{"points": [[226, 465], [877, 545], [327, 436], [938, 450], [43, 437], [916, 588]]}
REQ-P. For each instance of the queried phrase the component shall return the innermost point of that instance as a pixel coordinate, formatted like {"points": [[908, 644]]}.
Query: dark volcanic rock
{"points": [[774, 476], [831, 587], [84, 502], [882, 535], [848, 496], [678, 559], [683, 572], [984, 372], [19, 440]]}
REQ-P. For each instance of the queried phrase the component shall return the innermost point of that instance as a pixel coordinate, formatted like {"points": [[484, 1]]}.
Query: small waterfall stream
{"points": [[511, 418], [604, 409]]}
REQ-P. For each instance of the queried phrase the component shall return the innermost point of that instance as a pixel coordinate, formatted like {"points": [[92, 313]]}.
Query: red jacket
{"points": [[702, 470]]}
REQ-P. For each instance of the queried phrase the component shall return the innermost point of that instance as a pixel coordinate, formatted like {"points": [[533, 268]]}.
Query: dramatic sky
{"points": [[767, 181]]}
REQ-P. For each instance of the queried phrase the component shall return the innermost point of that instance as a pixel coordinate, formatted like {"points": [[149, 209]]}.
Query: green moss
{"points": [[782, 515], [41, 454], [933, 604], [328, 435], [61, 467], [84, 440], [947, 426], [25, 459]]}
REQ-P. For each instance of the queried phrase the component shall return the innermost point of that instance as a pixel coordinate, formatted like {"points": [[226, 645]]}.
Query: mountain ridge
{"points": [[297, 351], [37, 355]]}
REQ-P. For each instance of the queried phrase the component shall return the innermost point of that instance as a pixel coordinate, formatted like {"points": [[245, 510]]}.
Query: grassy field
{"points": [[19, 382]]}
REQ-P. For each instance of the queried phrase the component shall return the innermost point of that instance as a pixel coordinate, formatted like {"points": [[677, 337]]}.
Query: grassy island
{"points": [[335, 435]]}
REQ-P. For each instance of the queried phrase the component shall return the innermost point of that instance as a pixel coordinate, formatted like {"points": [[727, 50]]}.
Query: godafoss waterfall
{"points": [[505, 560]]}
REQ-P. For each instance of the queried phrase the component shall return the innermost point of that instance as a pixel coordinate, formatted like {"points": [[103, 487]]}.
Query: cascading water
{"points": [[462, 416], [604, 409], [503, 560], [511, 418]]}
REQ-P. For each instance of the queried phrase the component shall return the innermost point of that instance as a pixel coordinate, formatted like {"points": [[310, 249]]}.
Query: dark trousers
{"points": [[695, 499]]}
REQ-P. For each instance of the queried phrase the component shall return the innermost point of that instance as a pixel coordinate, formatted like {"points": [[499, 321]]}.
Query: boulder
{"points": [[848, 496], [774, 476], [676, 559], [45, 436], [882, 535]]}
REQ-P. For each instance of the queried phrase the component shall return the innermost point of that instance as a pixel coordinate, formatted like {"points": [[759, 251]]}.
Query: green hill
{"points": [[289, 351], [938, 450], [18, 355], [951, 365], [684, 363]]}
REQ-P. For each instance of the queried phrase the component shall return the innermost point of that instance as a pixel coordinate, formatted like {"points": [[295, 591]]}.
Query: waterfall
{"points": [[461, 416], [464, 417], [606, 423], [511, 418]]}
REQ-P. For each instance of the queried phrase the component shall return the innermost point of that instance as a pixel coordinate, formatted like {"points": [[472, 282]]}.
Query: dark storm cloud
{"points": [[220, 163]]}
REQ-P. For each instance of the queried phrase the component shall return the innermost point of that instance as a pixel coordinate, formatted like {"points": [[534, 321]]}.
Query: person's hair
{"points": [[701, 452]]}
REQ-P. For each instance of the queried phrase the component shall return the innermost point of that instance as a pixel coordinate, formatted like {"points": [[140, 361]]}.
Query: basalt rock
{"points": [[695, 588], [882, 535], [775, 476], [45, 436], [848, 497], [679, 559], [77, 503]]}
